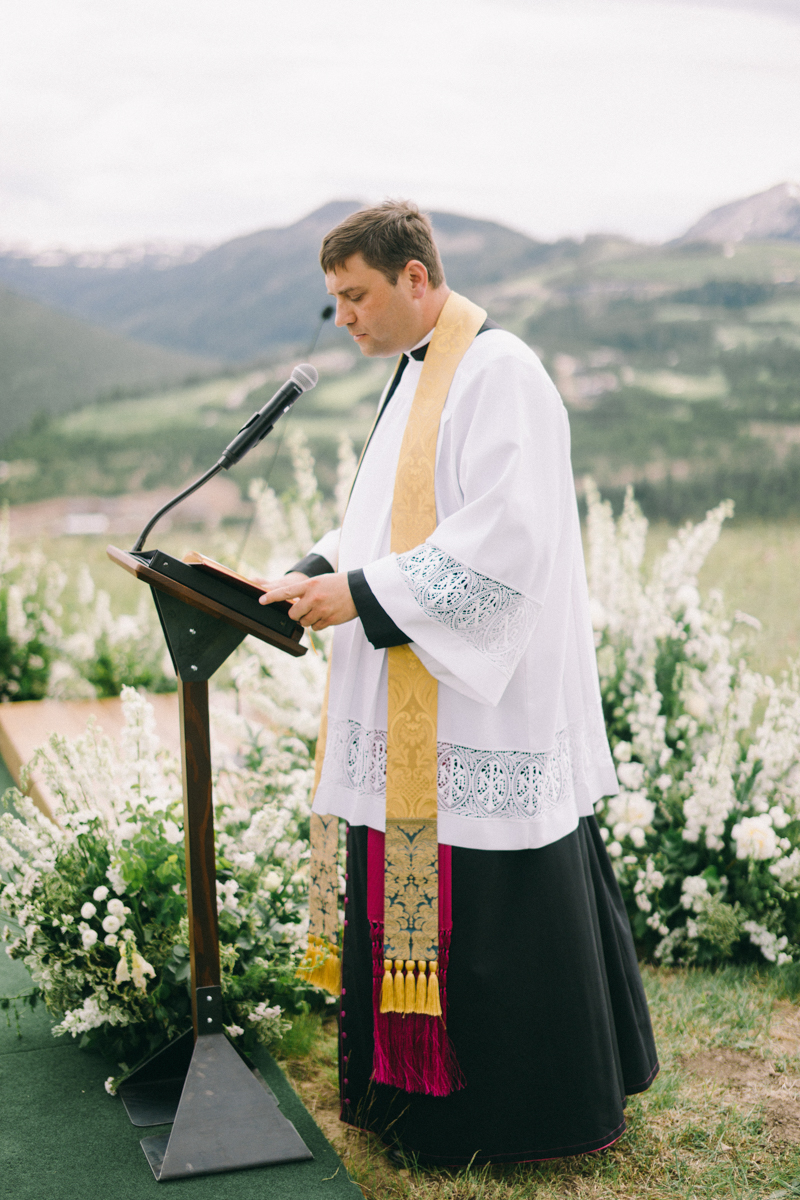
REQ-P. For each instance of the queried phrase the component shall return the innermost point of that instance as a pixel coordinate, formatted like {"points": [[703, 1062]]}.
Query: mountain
{"points": [[774, 214], [50, 362], [240, 300]]}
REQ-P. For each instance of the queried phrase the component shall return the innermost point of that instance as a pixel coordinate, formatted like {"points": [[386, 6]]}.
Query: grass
{"points": [[716, 1123]]}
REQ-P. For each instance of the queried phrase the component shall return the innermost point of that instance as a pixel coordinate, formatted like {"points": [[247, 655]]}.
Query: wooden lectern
{"points": [[223, 1117]]}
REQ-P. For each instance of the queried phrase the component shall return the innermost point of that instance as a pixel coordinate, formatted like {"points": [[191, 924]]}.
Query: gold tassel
{"points": [[306, 965], [332, 974], [422, 987], [321, 966], [433, 1006], [387, 990], [411, 987], [399, 990]]}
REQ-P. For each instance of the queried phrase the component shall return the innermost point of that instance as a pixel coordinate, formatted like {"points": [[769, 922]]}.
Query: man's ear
{"points": [[416, 274]]}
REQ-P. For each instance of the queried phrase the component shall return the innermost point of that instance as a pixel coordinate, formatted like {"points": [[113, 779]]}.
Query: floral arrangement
{"points": [[705, 832], [100, 653], [30, 610], [76, 654], [99, 900]]}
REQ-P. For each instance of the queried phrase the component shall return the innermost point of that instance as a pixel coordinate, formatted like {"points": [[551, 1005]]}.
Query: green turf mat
{"points": [[63, 1138]]}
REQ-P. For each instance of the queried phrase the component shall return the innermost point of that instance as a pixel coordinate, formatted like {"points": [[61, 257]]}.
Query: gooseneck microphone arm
{"points": [[302, 379]]}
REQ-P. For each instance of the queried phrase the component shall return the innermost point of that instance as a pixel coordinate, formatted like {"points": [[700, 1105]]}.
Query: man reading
{"points": [[491, 1003]]}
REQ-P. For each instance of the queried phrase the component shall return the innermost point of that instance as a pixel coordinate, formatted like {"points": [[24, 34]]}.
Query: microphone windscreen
{"points": [[305, 376]]}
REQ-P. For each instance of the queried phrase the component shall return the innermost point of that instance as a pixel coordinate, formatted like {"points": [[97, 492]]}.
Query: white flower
{"points": [[696, 704], [111, 923], [233, 1031], [92, 1013], [116, 879], [623, 751], [140, 968], [755, 838], [787, 870], [630, 810], [772, 947], [694, 891], [637, 836], [88, 910], [631, 775], [664, 782], [88, 937], [122, 974], [263, 1012], [272, 881], [615, 850], [111, 939], [779, 816], [116, 907], [100, 893], [109, 1086]]}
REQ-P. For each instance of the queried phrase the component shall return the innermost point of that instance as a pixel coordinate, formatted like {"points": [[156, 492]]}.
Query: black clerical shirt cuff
{"points": [[378, 625], [312, 564]]}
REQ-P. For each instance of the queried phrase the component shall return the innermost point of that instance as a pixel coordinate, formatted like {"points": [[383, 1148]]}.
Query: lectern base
{"points": [[152, 1094], [226, 1119]]}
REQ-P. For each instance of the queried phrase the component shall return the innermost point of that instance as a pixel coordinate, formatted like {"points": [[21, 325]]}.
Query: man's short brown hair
{"points": [[387, 237]]}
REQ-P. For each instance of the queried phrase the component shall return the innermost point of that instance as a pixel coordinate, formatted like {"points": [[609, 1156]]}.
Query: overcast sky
{"points": [[196, 120]]}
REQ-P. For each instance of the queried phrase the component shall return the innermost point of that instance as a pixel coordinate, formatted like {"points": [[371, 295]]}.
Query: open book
{"points": [[196, 559]]}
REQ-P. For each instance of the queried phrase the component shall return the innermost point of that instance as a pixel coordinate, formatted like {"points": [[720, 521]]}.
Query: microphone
{"points": [[302, 379]]}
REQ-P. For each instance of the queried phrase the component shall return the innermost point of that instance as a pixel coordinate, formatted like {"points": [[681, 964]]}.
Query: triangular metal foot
{"points": [[152, 1093], [225, 1120]]}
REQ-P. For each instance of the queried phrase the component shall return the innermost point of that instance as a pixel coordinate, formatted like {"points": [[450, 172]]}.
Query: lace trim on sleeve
{"points": [[493, 618]]}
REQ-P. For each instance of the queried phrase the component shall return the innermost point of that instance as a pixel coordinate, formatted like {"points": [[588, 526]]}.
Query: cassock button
{"points": [[344, 1014], [344, 991], [347, 922], [344, 1035], [347, 1081]]}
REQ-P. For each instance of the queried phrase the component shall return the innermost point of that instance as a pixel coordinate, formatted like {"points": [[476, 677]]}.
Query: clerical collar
{"points": [[419, 351]]}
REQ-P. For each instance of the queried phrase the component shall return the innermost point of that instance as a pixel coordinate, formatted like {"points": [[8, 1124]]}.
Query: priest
{"points": [[491, 1004]]}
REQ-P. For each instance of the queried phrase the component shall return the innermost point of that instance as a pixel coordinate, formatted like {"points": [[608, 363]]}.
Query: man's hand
{"points": [[319, 602]]}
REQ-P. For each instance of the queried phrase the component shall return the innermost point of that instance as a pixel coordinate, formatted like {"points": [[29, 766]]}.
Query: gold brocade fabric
{"points": [[323, 881], [411, 878], [411, 895], [411, 891]]}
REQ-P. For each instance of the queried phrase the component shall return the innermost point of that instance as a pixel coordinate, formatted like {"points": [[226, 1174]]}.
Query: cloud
{"points": [[201, 119]]}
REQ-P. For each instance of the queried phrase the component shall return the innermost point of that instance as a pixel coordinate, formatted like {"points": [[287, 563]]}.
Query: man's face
{"points": [[382, 318]]}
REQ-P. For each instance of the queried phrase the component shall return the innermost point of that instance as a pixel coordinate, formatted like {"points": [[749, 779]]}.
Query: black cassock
{"points": [[546, 1009]]}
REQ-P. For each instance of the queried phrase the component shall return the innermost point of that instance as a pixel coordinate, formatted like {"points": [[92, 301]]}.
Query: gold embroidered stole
{"points": [[411, 880]]}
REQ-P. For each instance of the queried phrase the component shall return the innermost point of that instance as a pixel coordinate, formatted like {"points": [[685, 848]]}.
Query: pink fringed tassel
{"points": [[412, 1051]]}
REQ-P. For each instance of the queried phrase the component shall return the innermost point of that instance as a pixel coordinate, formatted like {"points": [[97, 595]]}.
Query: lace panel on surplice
{"points": [[500, 784], [493, 618]]}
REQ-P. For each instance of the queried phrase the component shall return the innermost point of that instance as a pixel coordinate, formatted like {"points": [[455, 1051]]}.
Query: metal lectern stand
{"points": [[223, 1117]]}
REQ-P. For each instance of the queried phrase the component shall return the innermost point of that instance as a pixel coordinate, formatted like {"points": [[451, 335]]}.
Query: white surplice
{"points": [[495, 605]]}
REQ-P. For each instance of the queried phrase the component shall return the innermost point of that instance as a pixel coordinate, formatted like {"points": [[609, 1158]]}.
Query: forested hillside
{"points": [[50, 362], [680, 366]]}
